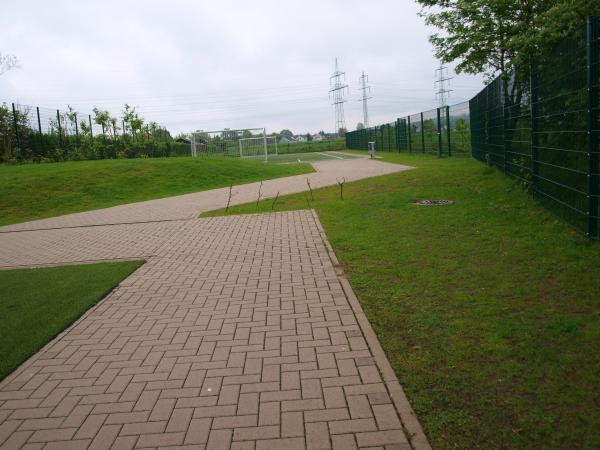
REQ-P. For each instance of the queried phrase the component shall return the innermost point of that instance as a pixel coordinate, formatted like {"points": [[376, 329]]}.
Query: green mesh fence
{"points": [[540, 125]]}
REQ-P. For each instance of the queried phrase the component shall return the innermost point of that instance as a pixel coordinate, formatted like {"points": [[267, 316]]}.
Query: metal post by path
{"points": [[439, 132], [60, 140], [592, 129], [90, 120], [409, 136], [37, 108], [123, 124], [398, 135], [76, 128], [448, 130], [265, 144], [16, 124], [534, 129], [422, 134]]}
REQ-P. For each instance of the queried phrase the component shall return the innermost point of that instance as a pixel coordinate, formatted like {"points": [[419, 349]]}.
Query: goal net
{"points": [[244, 143], [254, 147]]}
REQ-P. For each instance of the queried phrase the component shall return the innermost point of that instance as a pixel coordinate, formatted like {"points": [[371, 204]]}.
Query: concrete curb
{"points": [[410, 422]]}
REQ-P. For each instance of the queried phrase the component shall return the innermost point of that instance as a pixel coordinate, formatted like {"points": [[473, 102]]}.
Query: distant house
{"points": [[300, 138], [183, 140], [317, 137]]}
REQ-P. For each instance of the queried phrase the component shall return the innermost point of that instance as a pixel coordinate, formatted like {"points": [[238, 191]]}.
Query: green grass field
{"points": [[37, 304], [488, 309], [36, 191]]}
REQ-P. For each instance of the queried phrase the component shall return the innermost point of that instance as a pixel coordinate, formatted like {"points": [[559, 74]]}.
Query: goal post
{"points": [[242, 143]]}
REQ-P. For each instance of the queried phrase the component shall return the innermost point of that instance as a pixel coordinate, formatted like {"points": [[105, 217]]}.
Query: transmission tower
{"points": [[442, 84], [363, 80], [337, 83]]}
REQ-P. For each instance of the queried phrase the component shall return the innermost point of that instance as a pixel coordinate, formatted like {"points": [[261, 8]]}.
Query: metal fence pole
{"points": [[90, 120], [409, 136], [439, 133], [15, 121], [398, 135], [59, 129], [592, 121], [534, 136], [448, 130], [422, 134], [76, 128], [37, 108]]}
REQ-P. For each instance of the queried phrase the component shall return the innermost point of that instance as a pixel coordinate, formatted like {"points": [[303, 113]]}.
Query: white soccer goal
{"points": [[253, 147], [243, 143]]}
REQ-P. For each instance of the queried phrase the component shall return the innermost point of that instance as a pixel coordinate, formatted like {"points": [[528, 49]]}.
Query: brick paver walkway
{"points": [[238, 332], [190, 206]]}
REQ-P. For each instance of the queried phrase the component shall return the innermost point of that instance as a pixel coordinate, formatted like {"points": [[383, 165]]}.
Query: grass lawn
{"points": [[488, 309], [37, 304], [36, 191]]}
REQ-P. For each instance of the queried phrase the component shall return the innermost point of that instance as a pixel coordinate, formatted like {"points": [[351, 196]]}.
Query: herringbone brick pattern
{"points": [[236, 333]]}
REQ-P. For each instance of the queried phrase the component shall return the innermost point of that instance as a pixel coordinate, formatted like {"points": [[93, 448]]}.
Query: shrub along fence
{"points": [[29, 133], [540, 125]]}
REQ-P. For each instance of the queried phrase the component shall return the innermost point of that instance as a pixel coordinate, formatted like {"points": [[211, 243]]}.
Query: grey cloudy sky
{"points": [[214, 64]]}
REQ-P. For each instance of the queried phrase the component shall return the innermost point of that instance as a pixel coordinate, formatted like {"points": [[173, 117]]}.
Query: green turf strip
{"points": [[37, 304]]}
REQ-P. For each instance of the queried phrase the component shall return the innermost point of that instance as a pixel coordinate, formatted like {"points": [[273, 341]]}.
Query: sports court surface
{"points": [[238, 332], [311, 157]]}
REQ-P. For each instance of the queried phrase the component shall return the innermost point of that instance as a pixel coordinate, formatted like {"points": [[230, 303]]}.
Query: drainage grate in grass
{"points": [[432, 202]]}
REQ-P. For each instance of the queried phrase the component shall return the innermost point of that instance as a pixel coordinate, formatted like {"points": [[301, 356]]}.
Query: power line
{"points": [[338, 88], [363, 80], [442, 84]]}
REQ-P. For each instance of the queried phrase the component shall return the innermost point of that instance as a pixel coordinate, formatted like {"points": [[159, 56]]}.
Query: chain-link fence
{"points": [[540, 125], [30, 133]]}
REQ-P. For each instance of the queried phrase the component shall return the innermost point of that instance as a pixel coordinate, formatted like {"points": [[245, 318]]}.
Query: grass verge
{"points": [[37, 304], [488, 309], [36, 191]]}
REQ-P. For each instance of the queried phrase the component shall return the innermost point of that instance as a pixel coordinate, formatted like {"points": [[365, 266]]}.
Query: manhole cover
{"points": [[432, 202]]}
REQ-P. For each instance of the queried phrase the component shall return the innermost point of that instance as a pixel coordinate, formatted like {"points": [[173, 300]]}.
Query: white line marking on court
{"points": [[331, 156]]}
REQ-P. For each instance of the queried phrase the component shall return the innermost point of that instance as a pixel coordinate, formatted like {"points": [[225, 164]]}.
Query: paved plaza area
{"points": [[238, 332]]}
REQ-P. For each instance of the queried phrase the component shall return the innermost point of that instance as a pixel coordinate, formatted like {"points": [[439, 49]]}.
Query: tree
{"points": [[286, 134], [342, 132], [309, 137], [495, 36], [360, 126], [8, 62]]}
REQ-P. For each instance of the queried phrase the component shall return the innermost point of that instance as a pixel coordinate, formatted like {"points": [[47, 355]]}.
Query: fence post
{"points": [[76, 128], [592, 121], [439, 133], [448, 130], [422, 134], [534, 115], [389, 133], [59, 129], [37, 108], [18, 139], [409, 136], [90, 120], [398, 135]]}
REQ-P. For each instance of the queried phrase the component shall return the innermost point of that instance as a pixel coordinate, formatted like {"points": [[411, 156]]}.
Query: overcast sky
{"points": [[214, 64]]}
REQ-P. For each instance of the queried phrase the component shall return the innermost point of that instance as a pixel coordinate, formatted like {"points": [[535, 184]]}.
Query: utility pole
{"points": [[338, 85], [363, 80], [442, 84]]}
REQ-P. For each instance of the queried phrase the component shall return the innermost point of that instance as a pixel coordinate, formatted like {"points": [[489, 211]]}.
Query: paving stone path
{"points": [[239, 332]]}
